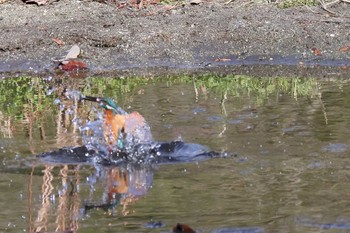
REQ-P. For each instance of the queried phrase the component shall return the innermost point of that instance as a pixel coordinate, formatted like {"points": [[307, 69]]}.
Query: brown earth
{"points": [[253, 38]]}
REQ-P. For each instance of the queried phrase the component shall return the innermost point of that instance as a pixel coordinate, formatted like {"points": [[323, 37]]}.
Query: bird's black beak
{"points": [[91, 98]]}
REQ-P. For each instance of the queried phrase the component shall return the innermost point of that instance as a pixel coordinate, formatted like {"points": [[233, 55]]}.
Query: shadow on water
{"points": [[288, 138]]}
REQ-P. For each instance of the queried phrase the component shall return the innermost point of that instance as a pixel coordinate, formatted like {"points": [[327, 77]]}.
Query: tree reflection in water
{"points": [[68, 193]]}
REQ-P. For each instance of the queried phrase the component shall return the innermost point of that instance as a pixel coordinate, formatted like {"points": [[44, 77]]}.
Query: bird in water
{"points": [[126, 137], [122, 129]]}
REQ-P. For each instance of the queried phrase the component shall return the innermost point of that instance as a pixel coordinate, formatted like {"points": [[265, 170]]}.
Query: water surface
{"points": [[288, 169]]}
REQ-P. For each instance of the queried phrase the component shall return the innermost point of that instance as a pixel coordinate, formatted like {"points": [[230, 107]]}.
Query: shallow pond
{"points": [[287, 169]]}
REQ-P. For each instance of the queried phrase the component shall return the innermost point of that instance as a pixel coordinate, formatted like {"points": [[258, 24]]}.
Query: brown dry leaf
{"points": [[38, 2], [222, 59], [345, 49], [316, 51], [182, 228], [2, 1], [345, 67], [59, 42], [73, 52], [72, 65]]}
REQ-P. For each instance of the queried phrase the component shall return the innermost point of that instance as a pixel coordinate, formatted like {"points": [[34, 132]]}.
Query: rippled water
{"points": [[289, 169]]}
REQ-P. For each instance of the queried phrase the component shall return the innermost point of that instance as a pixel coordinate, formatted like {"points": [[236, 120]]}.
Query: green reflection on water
{"points": [[23, 94]]}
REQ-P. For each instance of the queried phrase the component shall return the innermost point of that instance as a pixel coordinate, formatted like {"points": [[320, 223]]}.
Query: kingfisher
{"points": [[120, 127]]}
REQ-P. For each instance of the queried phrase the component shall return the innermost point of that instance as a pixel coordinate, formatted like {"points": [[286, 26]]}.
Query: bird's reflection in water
{"points": [[69, 192], [123, 185]]}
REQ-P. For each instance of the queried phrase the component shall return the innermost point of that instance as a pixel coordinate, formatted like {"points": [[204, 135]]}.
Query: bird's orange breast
{"points": [[114, 124], [128, 124]]}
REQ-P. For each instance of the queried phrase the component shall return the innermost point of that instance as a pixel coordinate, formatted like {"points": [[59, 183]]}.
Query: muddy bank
{"points": [[185, 39]]}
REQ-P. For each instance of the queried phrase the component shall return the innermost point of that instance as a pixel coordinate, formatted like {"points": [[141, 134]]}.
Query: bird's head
{"points": [[106, 103]]}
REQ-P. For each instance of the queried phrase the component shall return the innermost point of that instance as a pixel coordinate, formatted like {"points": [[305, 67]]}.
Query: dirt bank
{"points": [[189, 37]]}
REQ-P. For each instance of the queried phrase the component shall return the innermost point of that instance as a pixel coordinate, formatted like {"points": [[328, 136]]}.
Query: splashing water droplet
{"points": [[50, 90], [53, 198], [62, 106], [77, 121], [17, 157], [73, 94]]}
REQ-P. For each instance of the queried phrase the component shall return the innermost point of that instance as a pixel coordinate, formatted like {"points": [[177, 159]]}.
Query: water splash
{"points": [[133, 143], [73, 94], [96, 137]]}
